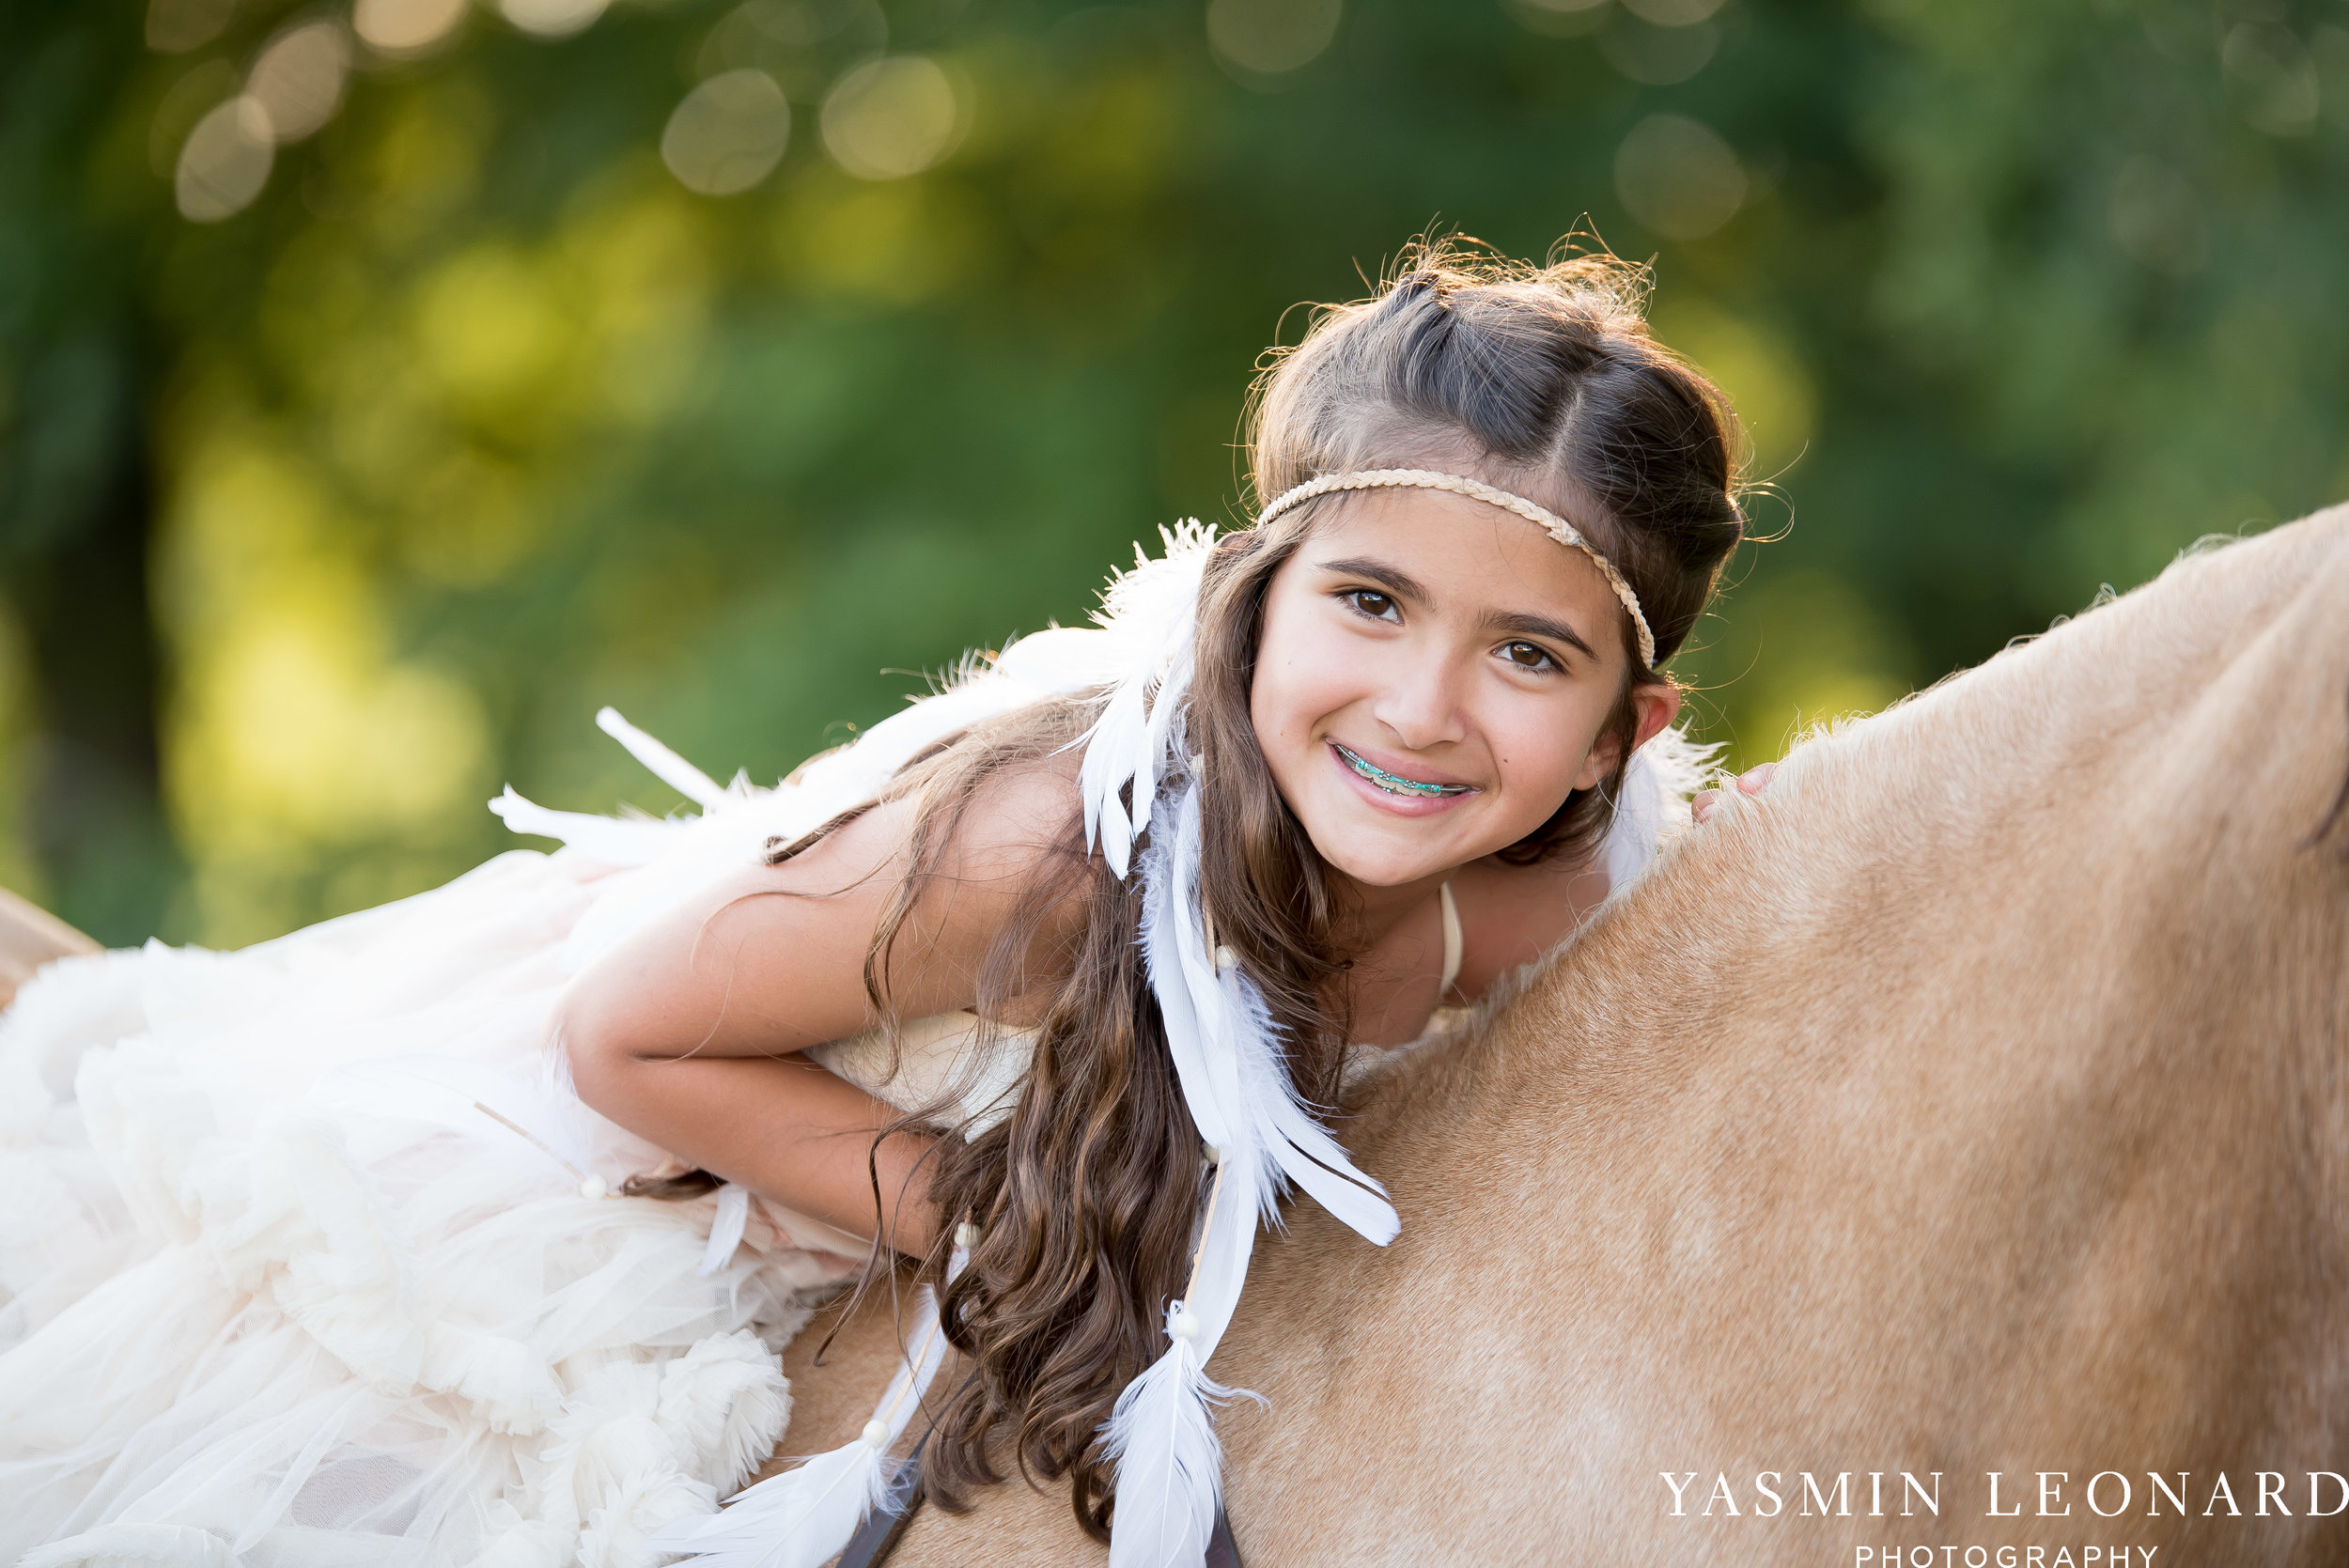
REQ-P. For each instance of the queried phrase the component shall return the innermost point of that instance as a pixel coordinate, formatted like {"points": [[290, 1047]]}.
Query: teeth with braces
{"points": [[1395, 784]]}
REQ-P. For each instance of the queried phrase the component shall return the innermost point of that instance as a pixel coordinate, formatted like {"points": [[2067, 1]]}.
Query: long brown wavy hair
{"points": [[1540, 378]]}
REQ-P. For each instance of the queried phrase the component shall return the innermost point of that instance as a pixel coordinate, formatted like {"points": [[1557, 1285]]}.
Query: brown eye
{"points": [[1371, 603], [1526, 656]]}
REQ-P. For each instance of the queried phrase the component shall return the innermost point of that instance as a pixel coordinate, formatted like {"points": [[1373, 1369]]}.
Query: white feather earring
{"points": [[1161, 1433], [1150, 614], [1220, 1034]]}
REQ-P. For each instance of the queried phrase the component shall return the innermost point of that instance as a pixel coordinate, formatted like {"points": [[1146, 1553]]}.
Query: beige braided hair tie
{"points": [[1549, 522]]}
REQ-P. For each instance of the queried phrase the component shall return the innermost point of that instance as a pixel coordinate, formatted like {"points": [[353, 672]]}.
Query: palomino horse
{"points": [[1975, 1100], [1968, 1112]]}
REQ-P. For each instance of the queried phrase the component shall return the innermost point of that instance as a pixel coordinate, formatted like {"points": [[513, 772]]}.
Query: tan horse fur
{"points": [[1975, 1099], [30, 936]]}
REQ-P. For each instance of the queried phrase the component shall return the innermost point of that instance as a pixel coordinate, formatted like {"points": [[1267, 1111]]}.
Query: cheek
{"points": [[1541, 750], [1299, 681]]}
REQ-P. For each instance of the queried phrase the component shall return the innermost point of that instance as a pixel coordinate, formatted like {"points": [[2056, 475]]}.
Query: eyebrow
{"points": [[1403, 583], [1515, 622], [1542, 625]]}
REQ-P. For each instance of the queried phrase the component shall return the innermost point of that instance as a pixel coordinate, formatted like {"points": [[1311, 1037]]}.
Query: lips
{"points": [[1398, 784]]}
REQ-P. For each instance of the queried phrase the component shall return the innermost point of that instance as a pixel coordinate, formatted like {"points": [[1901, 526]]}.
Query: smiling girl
{"points": [[1053, 996], [1495, 506]]}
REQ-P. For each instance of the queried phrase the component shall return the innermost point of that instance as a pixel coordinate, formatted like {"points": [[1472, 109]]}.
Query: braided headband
{"points": [[1549, 522]]}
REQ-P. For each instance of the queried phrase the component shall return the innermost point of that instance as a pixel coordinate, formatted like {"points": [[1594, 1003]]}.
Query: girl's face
{"points": [[1437, 640]]}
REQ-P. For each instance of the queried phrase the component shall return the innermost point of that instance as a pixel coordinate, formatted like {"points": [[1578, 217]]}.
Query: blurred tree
{"points": [[80, 817], [713, 359]]}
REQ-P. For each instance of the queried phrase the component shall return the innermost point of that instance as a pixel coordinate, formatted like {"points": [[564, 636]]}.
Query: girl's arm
{"points": [[688, 1034]]}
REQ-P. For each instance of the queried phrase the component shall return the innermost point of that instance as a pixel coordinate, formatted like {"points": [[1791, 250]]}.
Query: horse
{"points": [[1950, 1142], [1942, 1157]]}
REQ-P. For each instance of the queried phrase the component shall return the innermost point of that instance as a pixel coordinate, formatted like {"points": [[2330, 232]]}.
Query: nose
{"points": [[1420, 701]]}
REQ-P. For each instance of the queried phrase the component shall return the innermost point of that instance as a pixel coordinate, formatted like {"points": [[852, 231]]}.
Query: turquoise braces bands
{"points": [[1395, 784]]}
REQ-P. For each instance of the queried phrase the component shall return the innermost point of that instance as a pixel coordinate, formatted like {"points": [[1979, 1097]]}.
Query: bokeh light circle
{"points": [[1269, 36], [399, 27], [892, 118], [299, 78], [175, 26], [2273, 79], [552, 18], [225, 161], [1677, 177], [728, 133], [1672, 13]]}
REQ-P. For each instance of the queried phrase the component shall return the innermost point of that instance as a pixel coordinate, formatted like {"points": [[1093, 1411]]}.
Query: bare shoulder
{"points": [[1511, 915], [1011, 825], [1017, 824], [770, 958], [1004, 860]]}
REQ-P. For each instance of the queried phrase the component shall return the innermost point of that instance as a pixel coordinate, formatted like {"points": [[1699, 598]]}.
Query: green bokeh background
{"points": [[321, 521]]}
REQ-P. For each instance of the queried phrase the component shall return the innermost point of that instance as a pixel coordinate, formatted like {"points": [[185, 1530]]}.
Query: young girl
{"points": [[1045, 983]]}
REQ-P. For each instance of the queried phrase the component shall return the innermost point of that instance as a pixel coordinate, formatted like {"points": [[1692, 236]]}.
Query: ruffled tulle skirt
{"points": [[304, 1259]]}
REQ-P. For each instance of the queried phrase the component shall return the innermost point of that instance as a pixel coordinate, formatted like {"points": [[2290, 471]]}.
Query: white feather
{"points": [[1228, 1061], [1247, 1083], [612, 840], [1164, 736], [798, 1519], [1062, 661], [1308, 1156], [1169, 1464], [1165, 935], [1653, 804], [726, 1227], [1199, 1040], [804, 1518], [1149, 614], [663, 763], [1111, 746]]}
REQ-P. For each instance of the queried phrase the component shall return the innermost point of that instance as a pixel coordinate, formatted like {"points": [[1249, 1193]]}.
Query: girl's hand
{"points": [[1751, 781]]}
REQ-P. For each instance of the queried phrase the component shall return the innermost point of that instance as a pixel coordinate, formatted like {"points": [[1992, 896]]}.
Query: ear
{"points": [[1656, 705]]}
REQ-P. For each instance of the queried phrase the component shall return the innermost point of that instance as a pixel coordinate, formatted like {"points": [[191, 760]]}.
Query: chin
{"points": [[1381, 866], [1368, 875]]}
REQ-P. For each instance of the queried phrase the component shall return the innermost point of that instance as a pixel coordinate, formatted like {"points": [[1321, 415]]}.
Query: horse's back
{"points": [[1971, 1101], [30, 937]]}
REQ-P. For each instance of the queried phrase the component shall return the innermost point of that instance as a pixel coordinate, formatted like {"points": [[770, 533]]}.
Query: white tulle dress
{"points": [[310, 1257]]}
